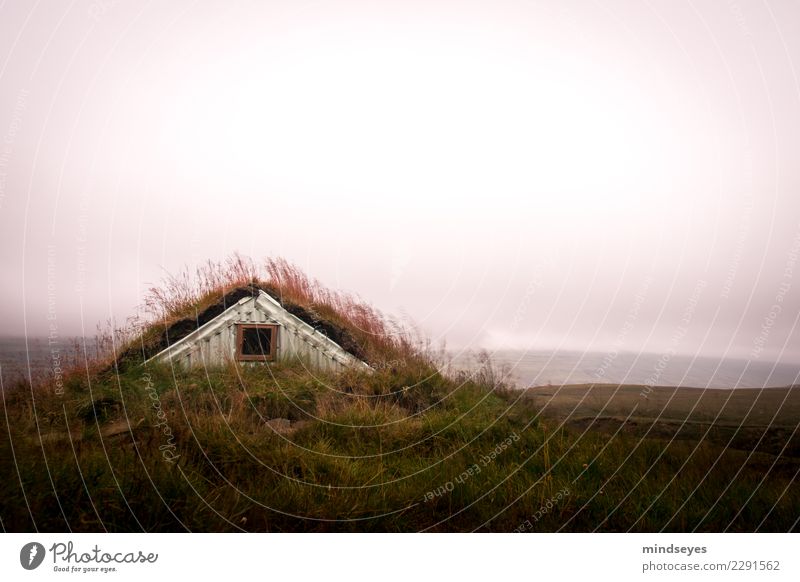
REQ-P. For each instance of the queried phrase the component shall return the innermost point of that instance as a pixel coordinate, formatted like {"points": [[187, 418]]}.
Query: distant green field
{"points": [[763, 420]]}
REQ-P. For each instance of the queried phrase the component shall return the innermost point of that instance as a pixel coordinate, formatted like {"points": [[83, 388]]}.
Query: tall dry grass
{"points": [[187, 293], [179, 294]]}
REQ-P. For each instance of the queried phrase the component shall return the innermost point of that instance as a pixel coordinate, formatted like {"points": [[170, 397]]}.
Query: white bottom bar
{"points": [[422, 557]]}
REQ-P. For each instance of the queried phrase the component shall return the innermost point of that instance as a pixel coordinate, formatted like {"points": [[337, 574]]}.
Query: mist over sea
{"points": [[18, 357], [538, 368], [21, 358]]}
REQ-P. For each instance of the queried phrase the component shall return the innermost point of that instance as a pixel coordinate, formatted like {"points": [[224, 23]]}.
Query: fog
{"points": [[564, 175]]}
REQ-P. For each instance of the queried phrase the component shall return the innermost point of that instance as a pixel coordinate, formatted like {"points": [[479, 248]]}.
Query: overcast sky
{"points": [[575, 175]]}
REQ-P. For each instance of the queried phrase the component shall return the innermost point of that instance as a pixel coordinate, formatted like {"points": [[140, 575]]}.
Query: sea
{"points": [[20, 357], [541, 368]]}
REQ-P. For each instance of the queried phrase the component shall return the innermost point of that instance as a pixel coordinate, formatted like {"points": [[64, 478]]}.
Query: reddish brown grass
{"points": [[187, 293]]}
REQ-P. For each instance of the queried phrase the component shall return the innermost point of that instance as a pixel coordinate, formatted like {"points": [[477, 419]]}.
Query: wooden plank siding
{"points": [[214, 343]]}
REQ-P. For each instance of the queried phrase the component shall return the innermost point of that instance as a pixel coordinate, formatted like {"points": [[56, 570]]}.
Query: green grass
{"points": [[404, 449], [366, 452]]}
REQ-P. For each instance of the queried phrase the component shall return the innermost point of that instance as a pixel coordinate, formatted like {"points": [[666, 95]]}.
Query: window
{"points": [[256, 342]]}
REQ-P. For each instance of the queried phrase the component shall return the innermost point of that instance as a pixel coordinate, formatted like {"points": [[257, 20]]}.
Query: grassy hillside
{"points": [[405, 448]]}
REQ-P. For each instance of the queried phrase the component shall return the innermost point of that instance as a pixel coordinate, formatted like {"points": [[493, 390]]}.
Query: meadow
{"points": [[411, 446]]}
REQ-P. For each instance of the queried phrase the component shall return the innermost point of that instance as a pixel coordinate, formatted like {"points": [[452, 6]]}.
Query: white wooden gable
{"points": [[214, 343]]}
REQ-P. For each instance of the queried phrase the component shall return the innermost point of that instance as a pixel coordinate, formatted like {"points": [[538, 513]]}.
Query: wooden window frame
{"points": [[273, 345]]}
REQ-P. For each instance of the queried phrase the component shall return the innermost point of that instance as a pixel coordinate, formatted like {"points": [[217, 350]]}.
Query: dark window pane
{"points": [[256, 341]]}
